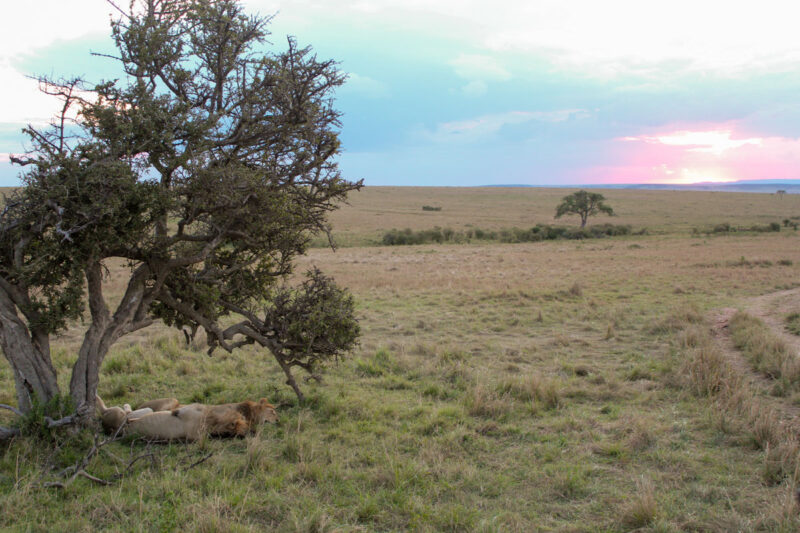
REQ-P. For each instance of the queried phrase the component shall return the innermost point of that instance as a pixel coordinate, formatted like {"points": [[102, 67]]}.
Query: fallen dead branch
{"points": [[198, 462]]}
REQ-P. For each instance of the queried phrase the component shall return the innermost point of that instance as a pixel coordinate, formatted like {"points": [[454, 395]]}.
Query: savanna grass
{"points": [[767, 352], [487, 393]]}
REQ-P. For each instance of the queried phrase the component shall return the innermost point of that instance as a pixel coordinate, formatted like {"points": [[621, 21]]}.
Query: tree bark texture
{"points": [[105, 330], [34, 374]]}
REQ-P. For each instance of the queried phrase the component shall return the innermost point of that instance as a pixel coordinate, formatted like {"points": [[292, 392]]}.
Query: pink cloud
{"points": [[707, 153], [713, 141]]}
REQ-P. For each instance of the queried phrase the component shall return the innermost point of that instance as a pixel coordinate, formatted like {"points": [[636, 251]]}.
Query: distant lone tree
{"points": [[199, 176], [780, 193], [584, 204]]}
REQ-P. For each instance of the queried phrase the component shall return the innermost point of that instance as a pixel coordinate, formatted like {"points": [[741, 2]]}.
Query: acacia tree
{"points": [[584, 204], [205, 170]]}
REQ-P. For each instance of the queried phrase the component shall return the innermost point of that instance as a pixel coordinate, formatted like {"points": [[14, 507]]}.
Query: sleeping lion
{"points": [[224, 420]]}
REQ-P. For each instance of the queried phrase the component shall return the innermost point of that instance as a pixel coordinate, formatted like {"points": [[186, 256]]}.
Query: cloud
{"points": [[20, 99], [486, 125], [610, 38], [630, 36], [713, 142], [707, 154], [365, 85], [479, 67], [32, 25]]}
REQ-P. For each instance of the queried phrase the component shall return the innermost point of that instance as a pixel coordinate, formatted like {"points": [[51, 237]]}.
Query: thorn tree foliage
{"points": [[204, 171]]}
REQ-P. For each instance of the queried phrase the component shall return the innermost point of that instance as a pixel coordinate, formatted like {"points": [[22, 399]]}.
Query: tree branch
{"points": [[12, 409]]}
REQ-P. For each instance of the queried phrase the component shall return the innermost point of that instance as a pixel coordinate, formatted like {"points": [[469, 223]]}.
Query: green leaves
{"points": [[313, 323], [584, 204]]}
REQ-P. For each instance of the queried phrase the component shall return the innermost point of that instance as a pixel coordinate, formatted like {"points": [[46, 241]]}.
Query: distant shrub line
{"points": [[431, 208], [726, 228], [540, 232]]}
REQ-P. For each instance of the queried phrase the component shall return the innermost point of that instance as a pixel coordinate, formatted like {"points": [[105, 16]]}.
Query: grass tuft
{"points": [[533, 389], [767, 353], [793, 323], [643, 508], [706, 370], [481, 401], [678, 319]]}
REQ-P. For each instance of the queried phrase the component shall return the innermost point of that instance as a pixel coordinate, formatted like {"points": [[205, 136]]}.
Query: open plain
{"points": [[567, 385]]}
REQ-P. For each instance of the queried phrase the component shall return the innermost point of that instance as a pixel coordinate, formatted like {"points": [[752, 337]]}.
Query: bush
{"points": [[540, 232], [407, 236], [430, 208], [722, 228], [725, 228]]}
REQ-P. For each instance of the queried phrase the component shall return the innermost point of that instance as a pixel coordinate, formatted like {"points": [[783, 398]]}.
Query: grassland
{"points": [[553, 386], [374, 210]]}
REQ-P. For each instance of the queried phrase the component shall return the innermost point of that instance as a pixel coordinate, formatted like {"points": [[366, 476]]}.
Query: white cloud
{"points": [[26, 26], [631, 35], [486, 125], [20, 99], [605, 38], [479, 67]]}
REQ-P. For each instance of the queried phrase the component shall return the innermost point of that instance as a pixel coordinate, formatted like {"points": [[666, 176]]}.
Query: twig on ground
{"points": [[137, 459], [90, 477], [199, 461], [79, 468]]}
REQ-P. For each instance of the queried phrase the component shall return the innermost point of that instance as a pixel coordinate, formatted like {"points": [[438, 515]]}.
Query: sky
{"points": [[468, 92]]}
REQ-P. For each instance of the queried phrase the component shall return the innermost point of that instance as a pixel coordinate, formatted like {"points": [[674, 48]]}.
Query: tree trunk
{"points": [[584, 218], [34, 374], [86, 372], [102, 333]]}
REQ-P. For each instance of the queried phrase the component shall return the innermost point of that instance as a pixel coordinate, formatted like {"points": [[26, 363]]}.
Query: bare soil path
{"points": [[772, 308]]}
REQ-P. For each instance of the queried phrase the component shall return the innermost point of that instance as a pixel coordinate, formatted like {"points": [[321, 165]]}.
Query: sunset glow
{"points": [[714, 142]]}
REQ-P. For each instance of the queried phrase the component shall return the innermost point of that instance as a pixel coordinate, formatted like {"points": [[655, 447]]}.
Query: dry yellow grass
{"points": [[679, 264]]}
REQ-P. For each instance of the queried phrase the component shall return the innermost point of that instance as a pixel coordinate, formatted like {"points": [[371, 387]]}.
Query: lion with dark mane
{"points": [[167, 419]]}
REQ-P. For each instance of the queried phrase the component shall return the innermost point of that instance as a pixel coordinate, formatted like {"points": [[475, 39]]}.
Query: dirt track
{"points": [[772, 309]]}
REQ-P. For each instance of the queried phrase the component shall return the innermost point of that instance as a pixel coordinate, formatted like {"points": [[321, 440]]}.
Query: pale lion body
{"points": [[184, 423], [112, 418], [225, 420], [188, 422]]}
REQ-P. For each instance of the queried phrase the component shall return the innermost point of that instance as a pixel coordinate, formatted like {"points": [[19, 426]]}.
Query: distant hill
{"points": [[761, 186]]}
